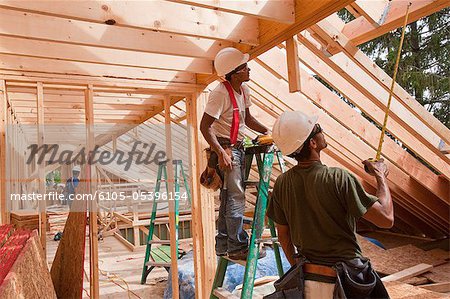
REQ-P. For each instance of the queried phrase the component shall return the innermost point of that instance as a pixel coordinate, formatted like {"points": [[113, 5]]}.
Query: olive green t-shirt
{"points": [[320, 205]]}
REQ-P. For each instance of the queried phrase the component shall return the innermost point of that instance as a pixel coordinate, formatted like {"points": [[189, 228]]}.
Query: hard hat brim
{"points": [[244, 60]]}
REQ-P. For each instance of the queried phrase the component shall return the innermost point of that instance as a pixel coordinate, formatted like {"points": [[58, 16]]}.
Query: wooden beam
{"points": [[307, 13], [327, 28], [91, 189], [37, 26], [353, 120], [41, 172], [12, 62], [339, 77], [202, 206], [408, 273], [21, 79], [281, 11], [173, 223], [3, 123], [293, 65], [339, 147], [103, 56], [159, 15], [373, 11], [361, 30], [124, 241]]}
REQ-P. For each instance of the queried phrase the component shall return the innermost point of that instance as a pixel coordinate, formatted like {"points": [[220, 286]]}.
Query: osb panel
{"points": [[399, 258], [439, 274], [29, 276], [67, 268], [402, 290]]}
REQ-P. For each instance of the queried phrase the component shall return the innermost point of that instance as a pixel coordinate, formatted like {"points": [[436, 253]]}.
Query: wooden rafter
{"points": [[325, 29], [161, 16], [361, 30], [281, 11], [371, 104], [102, 56], [349, 118]]}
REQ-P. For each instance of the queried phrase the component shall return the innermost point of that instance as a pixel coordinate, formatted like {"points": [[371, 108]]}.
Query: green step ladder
{"points": [[160, 256], [264, 159]]}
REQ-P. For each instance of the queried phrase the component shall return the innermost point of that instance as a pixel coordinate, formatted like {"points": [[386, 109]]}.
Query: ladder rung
{"points": [[164, 220], [165, 242], [240, 262], [248, 220], [262, 240], [221, 293], [157, 264], [251, 183]]}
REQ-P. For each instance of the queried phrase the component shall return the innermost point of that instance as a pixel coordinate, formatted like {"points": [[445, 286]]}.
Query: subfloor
{"points": [[120, 271]]}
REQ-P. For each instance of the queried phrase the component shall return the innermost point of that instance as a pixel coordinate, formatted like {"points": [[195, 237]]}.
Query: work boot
{"points": [[242, 255]]}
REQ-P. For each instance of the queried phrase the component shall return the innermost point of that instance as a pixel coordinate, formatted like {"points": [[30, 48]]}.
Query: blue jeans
{"points": [[231, 237]]}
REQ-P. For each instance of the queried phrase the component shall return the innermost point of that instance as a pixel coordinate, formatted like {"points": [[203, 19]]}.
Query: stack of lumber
{"points": [[23, 270], [57, 217], [25, 219]]}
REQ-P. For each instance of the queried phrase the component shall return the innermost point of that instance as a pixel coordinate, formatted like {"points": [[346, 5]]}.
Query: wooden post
{"points": [[203, 214], [41, 167], [172, 220], [91, 186], [3, 107], [293, 65]]}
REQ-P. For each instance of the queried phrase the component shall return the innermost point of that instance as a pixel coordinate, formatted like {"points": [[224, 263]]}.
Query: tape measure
{"points": [[386, 115]]}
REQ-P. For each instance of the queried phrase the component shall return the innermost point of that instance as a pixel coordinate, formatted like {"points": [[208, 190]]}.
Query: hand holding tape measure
{"points": [[367, 163]]}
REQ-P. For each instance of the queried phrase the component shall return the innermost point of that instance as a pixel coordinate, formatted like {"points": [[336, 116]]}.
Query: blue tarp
{"points": [[234, 276]]}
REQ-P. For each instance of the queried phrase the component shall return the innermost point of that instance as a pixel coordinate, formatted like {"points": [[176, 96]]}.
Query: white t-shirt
{"points": [[220, 107]]}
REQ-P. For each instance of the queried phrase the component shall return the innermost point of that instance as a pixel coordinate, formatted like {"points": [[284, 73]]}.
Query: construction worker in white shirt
{"points": [[223, 123]]}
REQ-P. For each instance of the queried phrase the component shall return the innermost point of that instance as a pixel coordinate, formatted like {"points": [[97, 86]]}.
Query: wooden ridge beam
{"points": [[371, 105], [13, 62], [328, 29], [160, 16], [361, 30], [335, 131], [281, 11], [352, 120], [103, 56]]}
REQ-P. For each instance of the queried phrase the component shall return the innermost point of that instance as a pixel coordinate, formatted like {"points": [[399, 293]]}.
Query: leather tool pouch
{"points": [[357, 279], [291, 285]]}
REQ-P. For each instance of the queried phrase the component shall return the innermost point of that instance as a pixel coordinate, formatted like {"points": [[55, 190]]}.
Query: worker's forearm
{"points": [[384, 196], [288, 248], [211, 138], [254, 124]]}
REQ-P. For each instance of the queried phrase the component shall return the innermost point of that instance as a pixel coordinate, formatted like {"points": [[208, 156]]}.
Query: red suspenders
{"points": [[235, 123]]}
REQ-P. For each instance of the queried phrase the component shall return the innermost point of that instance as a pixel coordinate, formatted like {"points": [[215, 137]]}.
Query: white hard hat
{"points": [[291, 130], [76, 168], [228, 59]]}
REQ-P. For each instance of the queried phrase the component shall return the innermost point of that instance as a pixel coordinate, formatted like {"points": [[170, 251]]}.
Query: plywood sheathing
{"points": [[398, 259], [29, 276], [67, 268]]}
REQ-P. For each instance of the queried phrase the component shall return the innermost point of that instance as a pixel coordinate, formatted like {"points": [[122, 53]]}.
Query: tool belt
{"points": [[354, 279], [211, 177]]}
